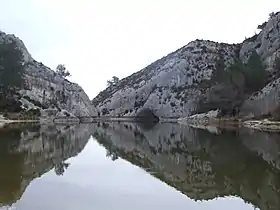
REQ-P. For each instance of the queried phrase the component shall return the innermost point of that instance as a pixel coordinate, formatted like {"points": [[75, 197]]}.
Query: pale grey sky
{"points": [[99, 39]]}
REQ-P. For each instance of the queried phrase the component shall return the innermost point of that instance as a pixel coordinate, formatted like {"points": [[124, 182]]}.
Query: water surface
{"points": [[128, 166]]}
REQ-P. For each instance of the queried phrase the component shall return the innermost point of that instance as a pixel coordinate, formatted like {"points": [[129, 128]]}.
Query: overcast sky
{"points": [[99, 39]]}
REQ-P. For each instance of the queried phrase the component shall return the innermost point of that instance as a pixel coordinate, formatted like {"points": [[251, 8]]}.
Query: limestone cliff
{"points": [[267, 44], [177, 84], [45, 87], [169, 86]]}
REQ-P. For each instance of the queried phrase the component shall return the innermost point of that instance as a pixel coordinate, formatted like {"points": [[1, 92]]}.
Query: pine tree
{"points": [[115, 80], [61, 71]]}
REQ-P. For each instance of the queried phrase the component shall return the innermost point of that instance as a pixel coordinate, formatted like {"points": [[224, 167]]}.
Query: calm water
{"points": [[129, 166]]}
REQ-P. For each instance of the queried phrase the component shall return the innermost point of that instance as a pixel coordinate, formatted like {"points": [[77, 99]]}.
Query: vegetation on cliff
{"points": [[229, 87], [62, 71], [11, 76]]}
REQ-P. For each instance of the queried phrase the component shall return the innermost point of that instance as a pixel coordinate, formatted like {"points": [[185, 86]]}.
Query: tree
{"points": [[218, 74], [235, 75], [104, 111], [262, 26], [11, 67], [271, 15], [255, 73], [61, 71], [60, 168], [115, 80], [112, 153]]}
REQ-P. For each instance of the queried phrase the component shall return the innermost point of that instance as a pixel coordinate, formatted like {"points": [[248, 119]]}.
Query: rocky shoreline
{"points": [[211, 119], [263, 125], [201, 121]]}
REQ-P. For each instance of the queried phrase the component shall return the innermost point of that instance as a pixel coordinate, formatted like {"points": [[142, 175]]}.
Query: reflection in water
{"points": [[27, 152], [200, 164]]}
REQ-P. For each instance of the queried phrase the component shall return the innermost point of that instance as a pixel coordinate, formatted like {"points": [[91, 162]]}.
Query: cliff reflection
{"points": [[201, 164], [29, 151]]}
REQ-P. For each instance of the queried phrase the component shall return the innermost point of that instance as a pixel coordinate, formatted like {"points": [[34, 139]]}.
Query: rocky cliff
{"points": [[44, 87], [177, 84]]}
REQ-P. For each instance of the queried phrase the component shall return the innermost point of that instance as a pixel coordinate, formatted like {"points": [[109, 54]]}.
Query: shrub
{"points": [[147, 115], [277, 63], [138, 104], [251, 39], [262, 26], [104, 111], [66, 114], [255, 73]]}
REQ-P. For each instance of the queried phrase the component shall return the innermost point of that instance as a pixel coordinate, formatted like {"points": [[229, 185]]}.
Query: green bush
{"points": [[254, 72], [251, 76], [104, 111], [11, 68]]}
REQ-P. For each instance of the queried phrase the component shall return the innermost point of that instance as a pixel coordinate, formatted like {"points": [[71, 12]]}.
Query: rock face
{"points": [[169, 86], [45, 87], [174, 86]]}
